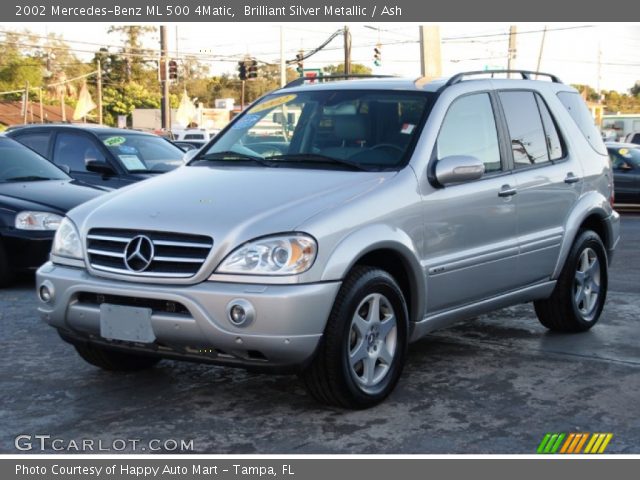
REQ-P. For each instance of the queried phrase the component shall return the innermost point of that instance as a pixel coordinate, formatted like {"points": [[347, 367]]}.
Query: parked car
{"points": [[388, 208], [625, 161], [101, 156], [188, 145], [633, 137], [198, 134], [34, 196]]}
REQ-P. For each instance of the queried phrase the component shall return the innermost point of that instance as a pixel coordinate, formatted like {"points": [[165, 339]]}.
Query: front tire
{"points": [[363, 349], [578, 298]]}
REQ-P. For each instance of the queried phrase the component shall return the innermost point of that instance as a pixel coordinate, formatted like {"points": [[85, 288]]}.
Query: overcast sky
{"points": [[603, 54]]}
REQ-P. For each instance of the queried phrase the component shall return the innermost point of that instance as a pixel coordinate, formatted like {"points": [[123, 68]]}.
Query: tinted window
{"points": [[525, 128], [469, 128], [624, 158], [73, 150], [18, 164], [36, 141], [554, 145], [576, 107]]}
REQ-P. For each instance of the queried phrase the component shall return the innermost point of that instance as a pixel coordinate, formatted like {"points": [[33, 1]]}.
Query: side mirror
{"points": [[458, 169], [189, 155], [98, 166]]}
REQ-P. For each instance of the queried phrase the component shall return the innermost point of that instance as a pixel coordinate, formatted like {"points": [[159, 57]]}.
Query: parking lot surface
{"points": [[495, 384]]}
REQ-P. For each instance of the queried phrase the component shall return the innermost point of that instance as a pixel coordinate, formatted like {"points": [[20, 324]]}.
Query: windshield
{"points": [[143, 153], [21, 164], [357, 129], [621, 156]]}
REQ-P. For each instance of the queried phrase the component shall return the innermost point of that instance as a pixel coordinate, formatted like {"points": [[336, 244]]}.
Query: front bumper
{"points": [[190, 322], [26, 250]]}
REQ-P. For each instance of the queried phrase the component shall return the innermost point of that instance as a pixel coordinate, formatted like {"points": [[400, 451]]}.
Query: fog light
{"points": [[45, 292], [240, 312]]}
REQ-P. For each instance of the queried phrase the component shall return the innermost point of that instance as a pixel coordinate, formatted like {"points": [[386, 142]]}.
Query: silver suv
{"points": [[333, 223]]}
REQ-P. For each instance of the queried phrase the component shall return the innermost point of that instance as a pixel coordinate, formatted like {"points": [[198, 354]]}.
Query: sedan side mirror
{"points": [[458, 169], [98, 166]]}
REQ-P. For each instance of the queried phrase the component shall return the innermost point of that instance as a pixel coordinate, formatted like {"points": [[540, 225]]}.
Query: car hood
{"points": [[229, 204], [50, 195]]}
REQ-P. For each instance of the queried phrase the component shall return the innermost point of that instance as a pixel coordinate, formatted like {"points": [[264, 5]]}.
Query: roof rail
{"points": [[327, 78], [526, 75]]}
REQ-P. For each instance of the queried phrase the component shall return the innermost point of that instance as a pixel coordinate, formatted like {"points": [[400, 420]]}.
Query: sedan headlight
{"points": [[28, 220], [67, 242], [276, 255]]}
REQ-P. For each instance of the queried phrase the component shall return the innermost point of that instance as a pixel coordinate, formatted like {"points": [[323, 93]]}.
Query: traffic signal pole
{"points": [[164, 79]]}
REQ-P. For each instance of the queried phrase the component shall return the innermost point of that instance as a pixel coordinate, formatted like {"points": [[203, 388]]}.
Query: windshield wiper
{"points": [[29, 178], [317, 158], [231, 155]]}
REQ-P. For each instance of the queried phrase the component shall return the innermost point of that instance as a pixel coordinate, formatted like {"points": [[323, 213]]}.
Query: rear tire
{"points": [[363, 349], [578, 298], [113, 360]]}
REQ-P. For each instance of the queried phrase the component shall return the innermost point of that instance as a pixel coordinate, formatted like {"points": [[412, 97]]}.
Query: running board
{"points": [[444, 319]]}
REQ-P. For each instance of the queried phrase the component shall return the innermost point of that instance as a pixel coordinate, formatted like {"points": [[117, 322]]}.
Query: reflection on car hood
{"points": [[230, 204], [49, 195]]}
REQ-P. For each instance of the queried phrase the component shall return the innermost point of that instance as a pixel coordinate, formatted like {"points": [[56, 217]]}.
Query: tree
{"points": [[356, 69], [635, 90]]}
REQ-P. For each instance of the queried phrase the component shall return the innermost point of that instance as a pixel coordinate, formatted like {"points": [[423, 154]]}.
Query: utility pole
{"points": [[41, 107], [164, 79], [25, 103], [544, 34], [430, 54], [99, 88], [242, 96], [283, 62], [347, 51], [512, 48]]}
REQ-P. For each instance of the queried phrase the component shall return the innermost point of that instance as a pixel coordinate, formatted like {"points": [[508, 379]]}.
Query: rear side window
{"points": [[554, 145], [576, 107], [38, 141], [528, 141]]}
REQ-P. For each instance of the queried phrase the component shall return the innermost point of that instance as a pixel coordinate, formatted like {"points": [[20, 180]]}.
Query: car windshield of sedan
{"points": [[143, 153], [21, 164], [349, 129], [624, 157]]}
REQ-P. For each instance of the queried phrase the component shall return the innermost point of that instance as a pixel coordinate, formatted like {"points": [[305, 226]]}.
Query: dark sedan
{"points": [[102, 156], [625, 161], [34, 196]]}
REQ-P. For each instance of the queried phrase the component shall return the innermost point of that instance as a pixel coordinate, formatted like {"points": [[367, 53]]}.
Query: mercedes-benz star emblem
{"points": [[138, 254]]}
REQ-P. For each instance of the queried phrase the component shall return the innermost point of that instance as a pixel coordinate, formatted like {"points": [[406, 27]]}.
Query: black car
{"points": [[102, 156], [34, 196], [625, 161]]}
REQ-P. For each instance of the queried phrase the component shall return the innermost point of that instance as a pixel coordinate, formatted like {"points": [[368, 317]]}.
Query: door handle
{"points": [[507, 191], [571, 178]]}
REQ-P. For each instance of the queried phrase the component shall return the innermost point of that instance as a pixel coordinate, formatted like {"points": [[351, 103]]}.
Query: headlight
{"points": [[277, 255], [37, 221], [67, 242]]}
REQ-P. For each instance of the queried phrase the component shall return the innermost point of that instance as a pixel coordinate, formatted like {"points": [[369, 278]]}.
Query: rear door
{"points": [[548, 181]]}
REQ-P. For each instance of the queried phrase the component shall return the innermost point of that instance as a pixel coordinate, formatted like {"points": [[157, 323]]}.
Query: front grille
{"points": [[173, 255]]}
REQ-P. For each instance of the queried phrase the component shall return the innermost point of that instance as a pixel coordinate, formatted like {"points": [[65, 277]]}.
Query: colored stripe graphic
{"points": [[572, 443], [551, 443]]}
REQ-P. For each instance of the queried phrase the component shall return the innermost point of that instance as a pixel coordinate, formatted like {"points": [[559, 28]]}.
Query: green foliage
{"points": [[356, 69]]}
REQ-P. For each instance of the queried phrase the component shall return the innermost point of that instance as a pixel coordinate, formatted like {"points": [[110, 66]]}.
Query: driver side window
{"points": [[469, 128]]}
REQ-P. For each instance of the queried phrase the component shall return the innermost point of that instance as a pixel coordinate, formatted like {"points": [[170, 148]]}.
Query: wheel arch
{"points": [[388, 249]]}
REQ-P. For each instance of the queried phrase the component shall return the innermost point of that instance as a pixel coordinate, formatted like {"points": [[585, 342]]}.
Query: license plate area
{"points": [[130, 324]]}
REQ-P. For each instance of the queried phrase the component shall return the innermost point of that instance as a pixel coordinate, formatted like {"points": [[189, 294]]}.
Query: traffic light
{"points": [[242, 70], [173, 70], [252, 70], [300, 60], [377, 55]]}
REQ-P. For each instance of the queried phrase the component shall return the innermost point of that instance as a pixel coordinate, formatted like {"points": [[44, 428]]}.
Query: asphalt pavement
{"points": [[495, 384]]}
